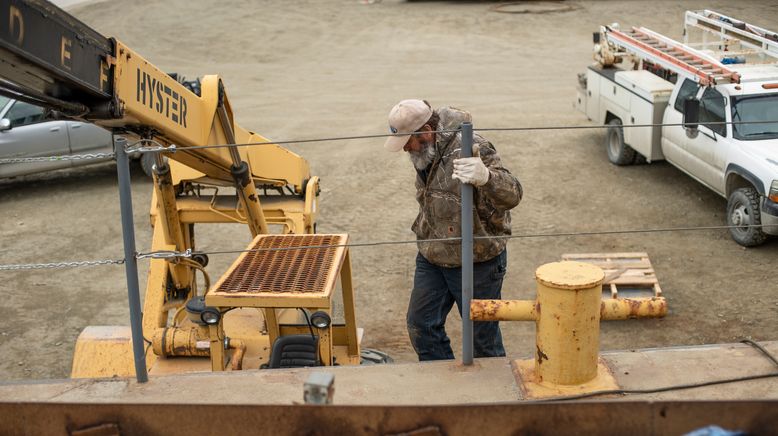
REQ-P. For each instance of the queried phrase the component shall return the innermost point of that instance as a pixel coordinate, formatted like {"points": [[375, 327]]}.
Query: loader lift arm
{"points": [[49, 58]]}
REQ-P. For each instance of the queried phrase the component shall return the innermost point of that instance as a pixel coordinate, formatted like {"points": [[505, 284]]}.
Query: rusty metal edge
{"points": [[591, 418]]}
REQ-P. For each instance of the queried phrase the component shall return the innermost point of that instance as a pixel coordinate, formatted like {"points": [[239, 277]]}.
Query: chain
{"points": [[57, 158], [135, 147], [61, 264]]}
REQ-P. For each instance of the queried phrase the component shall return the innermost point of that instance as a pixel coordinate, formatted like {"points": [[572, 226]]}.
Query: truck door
{"points": [[673, 134], [707, 149], [31, 135]]}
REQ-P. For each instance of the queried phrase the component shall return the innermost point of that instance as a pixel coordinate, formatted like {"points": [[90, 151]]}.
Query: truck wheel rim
{"points": [[740, 218], [613, 144]]}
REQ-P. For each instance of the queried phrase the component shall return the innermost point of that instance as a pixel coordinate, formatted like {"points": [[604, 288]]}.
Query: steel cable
{"points": [[475, 129], [175, 148], [302, 141], [168, 254], [602, 126], [189, 253]]}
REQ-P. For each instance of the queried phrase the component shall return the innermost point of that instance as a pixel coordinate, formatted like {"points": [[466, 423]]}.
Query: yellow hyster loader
{"points": [[250, 316]]}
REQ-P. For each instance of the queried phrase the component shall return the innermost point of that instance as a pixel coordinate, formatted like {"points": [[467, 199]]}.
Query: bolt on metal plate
{"points": [[319, 388]]}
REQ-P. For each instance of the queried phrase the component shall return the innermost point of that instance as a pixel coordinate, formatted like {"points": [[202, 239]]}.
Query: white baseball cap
{"points": [[406, 116]]}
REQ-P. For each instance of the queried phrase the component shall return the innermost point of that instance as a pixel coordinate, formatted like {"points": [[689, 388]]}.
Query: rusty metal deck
{"points": [[755, 417], [282, 271], [400, 398]]}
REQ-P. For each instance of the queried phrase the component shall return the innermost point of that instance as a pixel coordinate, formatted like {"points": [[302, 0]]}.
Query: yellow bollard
{"points": [[567, 313], [568, 322], [567, 333]]}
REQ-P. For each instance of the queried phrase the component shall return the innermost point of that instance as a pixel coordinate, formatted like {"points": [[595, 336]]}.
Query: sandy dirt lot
{"points": [[315, 68]]}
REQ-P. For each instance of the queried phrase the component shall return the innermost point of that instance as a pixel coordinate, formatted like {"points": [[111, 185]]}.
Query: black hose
{"points": [[307, 320]]}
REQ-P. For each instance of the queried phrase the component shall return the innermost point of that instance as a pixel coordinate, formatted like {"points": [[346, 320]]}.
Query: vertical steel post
{"points": [[130, 262], [467, 250]]}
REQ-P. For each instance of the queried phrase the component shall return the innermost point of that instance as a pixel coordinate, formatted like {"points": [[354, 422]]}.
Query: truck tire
{"points": [[619, 153], [743, 215]]}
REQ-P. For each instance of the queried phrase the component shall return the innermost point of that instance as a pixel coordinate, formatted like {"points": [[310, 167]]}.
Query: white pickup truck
{"points": [[737, 161]]}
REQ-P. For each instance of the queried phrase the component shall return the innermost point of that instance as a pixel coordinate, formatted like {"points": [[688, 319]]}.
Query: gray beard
{"points": [[423, 158]]}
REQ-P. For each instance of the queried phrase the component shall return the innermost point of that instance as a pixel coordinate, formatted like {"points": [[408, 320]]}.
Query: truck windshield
{"points": [[752, 110]]}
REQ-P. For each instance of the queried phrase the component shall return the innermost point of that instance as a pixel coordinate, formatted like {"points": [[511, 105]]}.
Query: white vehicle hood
{"points": [[766, 150]]}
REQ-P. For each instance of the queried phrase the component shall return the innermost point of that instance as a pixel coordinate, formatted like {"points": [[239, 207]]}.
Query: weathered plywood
{"points": [[626, 274]]}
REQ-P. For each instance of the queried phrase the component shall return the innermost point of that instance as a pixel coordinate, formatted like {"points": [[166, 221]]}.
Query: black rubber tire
{"points": [[743, 211], [619, 153], [370, 356], [147, 163]]}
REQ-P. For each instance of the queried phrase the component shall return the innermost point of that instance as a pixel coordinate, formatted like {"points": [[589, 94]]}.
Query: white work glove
{"points": [[471, 169]]}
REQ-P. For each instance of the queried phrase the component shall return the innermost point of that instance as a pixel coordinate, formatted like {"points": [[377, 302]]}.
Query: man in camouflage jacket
{"points": [[440, 171]]}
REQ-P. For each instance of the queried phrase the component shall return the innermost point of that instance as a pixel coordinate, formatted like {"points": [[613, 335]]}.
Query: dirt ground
{"points": [[314, 68]]}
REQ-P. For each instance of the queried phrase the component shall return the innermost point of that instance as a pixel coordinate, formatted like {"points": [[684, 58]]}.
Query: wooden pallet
{"points": [[627, 275]]}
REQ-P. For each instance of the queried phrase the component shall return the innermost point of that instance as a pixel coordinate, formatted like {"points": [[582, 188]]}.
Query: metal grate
{"points": [[286, 270]]}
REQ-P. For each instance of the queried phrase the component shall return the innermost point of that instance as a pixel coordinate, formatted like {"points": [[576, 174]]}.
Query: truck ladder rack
{"points": [[672, 55], [762, 41]]}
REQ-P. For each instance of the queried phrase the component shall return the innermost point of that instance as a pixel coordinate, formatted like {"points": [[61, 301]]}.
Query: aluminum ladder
{"points": [[672, 55]]}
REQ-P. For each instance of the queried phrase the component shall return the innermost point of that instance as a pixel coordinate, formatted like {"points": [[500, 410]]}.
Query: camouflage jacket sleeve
{"points": [[503, 189]]}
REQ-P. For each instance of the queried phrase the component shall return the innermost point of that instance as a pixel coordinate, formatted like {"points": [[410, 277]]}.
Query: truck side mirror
{"points": [[691, 113], [5, 124]]}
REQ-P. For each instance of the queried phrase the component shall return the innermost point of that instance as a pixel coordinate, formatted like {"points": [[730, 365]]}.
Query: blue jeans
{"points": [[435, 290]]}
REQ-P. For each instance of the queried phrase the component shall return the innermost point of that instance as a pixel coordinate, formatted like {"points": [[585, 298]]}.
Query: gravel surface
{"points": [[313, 68]]}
